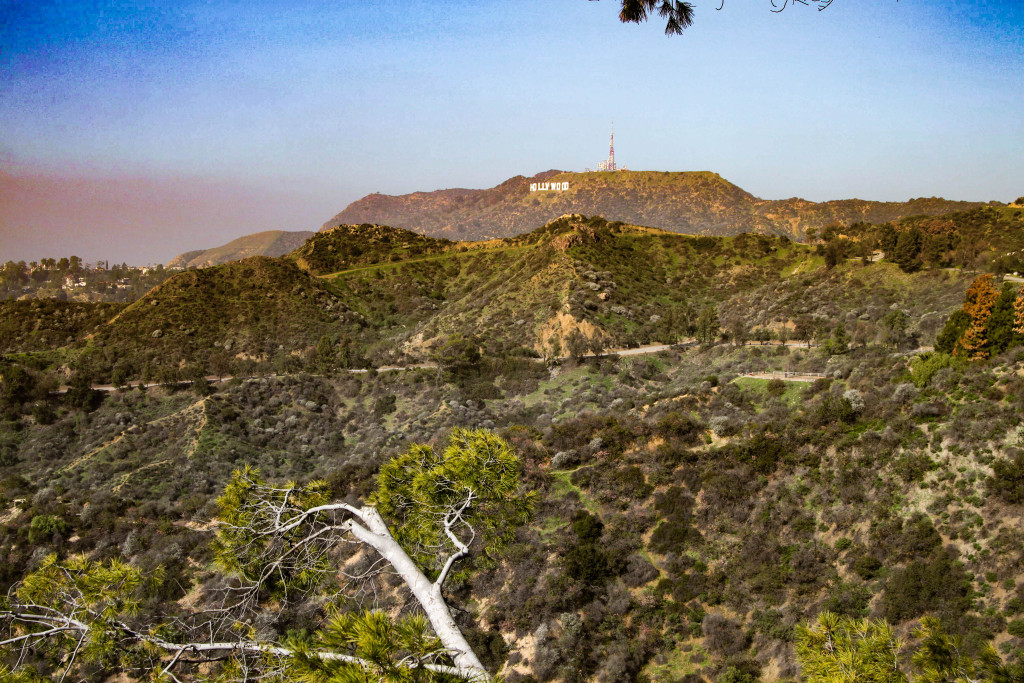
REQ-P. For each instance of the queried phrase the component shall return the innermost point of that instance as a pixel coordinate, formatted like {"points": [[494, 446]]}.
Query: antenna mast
{"points": [[611, 151]]}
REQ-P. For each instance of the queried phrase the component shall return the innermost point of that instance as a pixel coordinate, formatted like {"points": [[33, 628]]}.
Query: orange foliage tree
{"points": [[978, 302]]}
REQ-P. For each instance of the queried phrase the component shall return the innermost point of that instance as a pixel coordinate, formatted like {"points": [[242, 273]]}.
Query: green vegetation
{"points": [[840, 649], [346, 246], [686, 518], [68, 279], [44, 324]]}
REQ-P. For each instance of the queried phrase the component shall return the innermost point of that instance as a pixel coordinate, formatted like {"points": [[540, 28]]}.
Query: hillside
{"points": [[686, 202], [690, 512], [268, 243], [41, 324], [721, 511], [348, 246], [388, 296], [585, 281], [240, 310]]}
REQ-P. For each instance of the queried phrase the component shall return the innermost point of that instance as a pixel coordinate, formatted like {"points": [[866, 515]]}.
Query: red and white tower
{"points": [[609, 163], [611, 152]]}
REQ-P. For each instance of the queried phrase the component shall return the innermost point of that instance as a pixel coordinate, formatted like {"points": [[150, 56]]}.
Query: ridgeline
{"points": [[698, 202]]}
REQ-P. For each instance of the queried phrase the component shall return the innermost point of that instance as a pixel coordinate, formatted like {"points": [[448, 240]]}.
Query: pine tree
{"points": [[999, 326], [432, 509], [707, 326], [905, 253], [838, 649], [951, 332], [841, 650]]}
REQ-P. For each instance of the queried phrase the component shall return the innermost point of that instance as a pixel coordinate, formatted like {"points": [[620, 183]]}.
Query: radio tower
{"points": [[611, 151]]}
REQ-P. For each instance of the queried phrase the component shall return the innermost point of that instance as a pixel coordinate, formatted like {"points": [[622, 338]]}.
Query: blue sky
{"points": [[303, 107]]}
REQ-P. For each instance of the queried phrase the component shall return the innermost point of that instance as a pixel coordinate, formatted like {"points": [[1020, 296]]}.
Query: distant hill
{"points": [[269, 243], [688, 202]]}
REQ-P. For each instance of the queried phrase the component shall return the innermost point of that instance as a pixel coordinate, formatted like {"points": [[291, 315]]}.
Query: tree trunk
{"points": [[427, 593]]}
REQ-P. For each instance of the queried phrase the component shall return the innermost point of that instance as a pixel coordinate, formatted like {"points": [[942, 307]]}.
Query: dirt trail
{"points": [[787, 376], [201, 404], [93, 453]]}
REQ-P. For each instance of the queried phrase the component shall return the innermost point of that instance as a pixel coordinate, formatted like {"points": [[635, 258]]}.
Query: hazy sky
{"points": [[134, 130]]}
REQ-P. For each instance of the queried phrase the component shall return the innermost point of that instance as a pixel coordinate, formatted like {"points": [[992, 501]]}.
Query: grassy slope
{"points": [[575, 273], [347, 246]]}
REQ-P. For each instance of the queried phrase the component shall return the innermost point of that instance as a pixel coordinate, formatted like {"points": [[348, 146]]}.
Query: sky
{"points": [[133, 130]]}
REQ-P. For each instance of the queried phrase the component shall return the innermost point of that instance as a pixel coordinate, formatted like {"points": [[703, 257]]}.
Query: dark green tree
{"points": [[577, 344], [459, 357], [887, 239], [951, 332], [707, 326], [16, 386], [325, 357], [999, 334], [80, 393], [838, 343], [896, 323], [905, 254], [804, 329], [200, 386]]}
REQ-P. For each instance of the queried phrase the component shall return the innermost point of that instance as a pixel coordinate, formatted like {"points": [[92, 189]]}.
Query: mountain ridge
{"points": [[271, 243], [691, 202]]}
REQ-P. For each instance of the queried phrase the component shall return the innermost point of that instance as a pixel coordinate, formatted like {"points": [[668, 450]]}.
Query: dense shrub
{"points": [[43, 527], [585, 560], [763, 453], [724, 636], [848, 599], [1007, 480], [937, 585]]}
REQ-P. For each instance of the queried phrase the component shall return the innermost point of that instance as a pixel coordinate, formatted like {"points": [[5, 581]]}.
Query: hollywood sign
{"points": [[539, 187]]}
